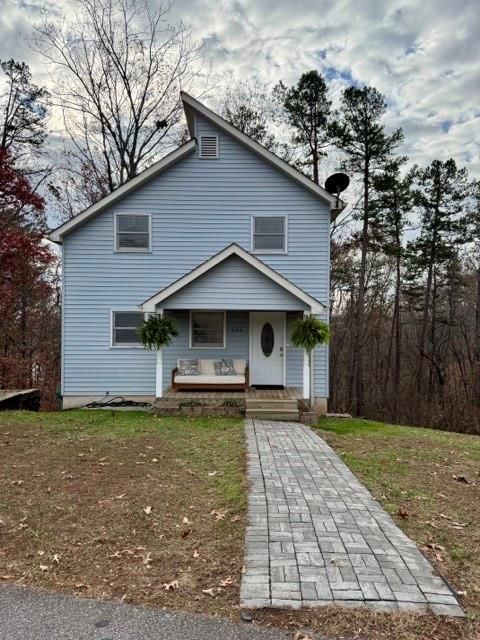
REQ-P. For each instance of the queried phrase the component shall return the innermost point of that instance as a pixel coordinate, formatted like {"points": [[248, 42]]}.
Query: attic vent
{"points": [[208, 147]]}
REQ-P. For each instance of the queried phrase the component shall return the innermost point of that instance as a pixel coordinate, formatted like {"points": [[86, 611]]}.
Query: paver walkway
{"points": [[316, 536]]}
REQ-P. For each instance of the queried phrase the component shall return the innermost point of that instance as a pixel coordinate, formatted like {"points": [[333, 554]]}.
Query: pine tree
{"points": [[392, 205], [440, 192], [360, 133], [307, 110]]}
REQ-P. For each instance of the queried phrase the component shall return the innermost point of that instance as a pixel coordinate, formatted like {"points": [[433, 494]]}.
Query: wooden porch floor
{"points": [[289, 393]]}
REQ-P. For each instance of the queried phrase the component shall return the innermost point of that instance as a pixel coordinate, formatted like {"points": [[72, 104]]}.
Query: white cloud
{"points": [[423, 55]]}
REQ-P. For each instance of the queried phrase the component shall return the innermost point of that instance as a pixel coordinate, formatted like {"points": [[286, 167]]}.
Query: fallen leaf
{"points": [[56, 558], [44, 567], [186, 533], [185, 520], [196, 554], [235, 518], [227, 582], [219, 515], [403, 513], [302, 636], [148, 510], [462, 479], [213, 591], [170, 586]]}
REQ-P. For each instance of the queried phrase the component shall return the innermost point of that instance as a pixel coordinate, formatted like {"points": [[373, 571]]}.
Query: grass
{"points": [[124, 505], [76, 487], [429, 481]]}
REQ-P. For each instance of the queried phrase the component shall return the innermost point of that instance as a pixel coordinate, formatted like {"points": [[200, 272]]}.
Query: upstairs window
{"points": [[125, 326], [208, 147], [132, 232], [269, 234]]}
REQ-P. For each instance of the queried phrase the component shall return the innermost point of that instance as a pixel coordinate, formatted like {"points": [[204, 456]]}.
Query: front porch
{"points": [[270, 404]]}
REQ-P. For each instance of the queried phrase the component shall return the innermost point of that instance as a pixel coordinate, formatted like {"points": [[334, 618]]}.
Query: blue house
{"points": [[221, 235]]}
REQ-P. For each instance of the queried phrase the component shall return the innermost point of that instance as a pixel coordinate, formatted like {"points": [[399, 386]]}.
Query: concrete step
{"points": [[291, 415], [279, 405]]}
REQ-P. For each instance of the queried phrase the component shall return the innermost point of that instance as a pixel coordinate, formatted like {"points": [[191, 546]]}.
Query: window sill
{"points": [[136, 251], [127, 346], [269, 253], [207, 348]]}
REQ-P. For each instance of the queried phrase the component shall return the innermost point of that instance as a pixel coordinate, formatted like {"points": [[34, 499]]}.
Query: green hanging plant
{"points": [[307, 333], [157, 331]]}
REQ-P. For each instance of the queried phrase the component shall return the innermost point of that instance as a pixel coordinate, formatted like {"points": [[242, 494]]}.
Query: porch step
{"points": [[286, 415], [271, 403]]}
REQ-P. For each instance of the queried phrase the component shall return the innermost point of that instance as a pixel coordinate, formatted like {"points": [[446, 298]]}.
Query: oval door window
{"points": [[267, 339]]}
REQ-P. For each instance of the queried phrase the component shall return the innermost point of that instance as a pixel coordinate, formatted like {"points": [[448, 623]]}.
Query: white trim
{"points": [[217, 150], [306, 376], [125, 345], [190, 341], [233, 249], [57, 234], [117, 249], [261, 151], [250, 352], [159, 369], [285, 234]]}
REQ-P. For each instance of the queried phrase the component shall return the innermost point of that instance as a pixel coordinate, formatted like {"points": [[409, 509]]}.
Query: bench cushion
{"points": [[203, 379]]}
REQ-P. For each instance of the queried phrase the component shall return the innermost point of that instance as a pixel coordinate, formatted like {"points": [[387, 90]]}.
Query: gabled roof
{"points": [[191, 106], [57, 234], [232, 250]]}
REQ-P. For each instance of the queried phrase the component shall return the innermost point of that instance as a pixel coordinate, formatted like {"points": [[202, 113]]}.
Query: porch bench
{"points": [[207, 380]]}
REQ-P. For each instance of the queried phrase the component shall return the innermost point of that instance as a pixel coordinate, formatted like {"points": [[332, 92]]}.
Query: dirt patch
{"points": [[102, 504]]}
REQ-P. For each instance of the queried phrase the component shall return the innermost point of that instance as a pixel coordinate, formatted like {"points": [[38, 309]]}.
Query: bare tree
{"points": [[119, 67]]}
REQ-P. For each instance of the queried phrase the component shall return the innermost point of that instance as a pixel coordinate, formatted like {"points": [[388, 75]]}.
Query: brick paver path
{"points": [[316, 536]]}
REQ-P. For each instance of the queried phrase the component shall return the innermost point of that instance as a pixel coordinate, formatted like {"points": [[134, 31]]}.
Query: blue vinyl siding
{"points": [[233, 284], [198, 207]]}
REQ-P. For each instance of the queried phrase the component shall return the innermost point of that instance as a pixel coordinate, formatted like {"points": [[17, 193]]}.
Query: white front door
{"points": [[267, 348]]}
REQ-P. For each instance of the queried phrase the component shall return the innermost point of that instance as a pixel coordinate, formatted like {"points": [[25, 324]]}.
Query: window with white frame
{"points": [[132, 232], [207, 329], [125, 326], [269, 234]]}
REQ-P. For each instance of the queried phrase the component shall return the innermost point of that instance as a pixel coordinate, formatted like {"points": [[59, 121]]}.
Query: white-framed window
{"points": [[208, 147], [269, 234], [133, 232], [125, 326], [207, 329]]}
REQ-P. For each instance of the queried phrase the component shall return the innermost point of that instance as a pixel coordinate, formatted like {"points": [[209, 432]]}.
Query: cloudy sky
{"points": [[424, 55]]}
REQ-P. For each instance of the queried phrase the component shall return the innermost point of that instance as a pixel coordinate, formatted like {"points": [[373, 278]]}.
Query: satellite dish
{"points": [[337, 183]]}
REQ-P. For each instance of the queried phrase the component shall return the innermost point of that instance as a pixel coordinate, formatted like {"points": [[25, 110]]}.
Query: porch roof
{"points": [[305, 300]]}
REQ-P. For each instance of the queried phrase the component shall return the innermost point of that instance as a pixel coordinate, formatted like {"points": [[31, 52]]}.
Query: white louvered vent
{"points": [[208, 147]]}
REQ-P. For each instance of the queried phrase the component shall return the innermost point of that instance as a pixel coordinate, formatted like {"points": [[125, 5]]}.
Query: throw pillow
{"points": [[224, 367], [188, 368]]}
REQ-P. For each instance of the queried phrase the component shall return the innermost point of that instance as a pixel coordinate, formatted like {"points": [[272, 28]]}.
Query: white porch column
{"points": [[159, 369], [306, 376], [306, 370]]}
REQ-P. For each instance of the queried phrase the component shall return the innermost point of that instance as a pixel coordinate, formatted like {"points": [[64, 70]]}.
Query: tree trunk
{"points": [[477, 343], [359, 406], [398, 337]]}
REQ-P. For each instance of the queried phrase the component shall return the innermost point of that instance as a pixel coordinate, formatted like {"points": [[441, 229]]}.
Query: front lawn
{"points": [[124, 505]]}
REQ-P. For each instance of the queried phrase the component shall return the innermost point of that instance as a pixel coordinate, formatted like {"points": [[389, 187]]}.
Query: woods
{"points": [[405, 280]]}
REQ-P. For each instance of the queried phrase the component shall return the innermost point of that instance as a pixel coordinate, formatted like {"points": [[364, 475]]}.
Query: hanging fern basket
{"points": [[157, 332]]}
